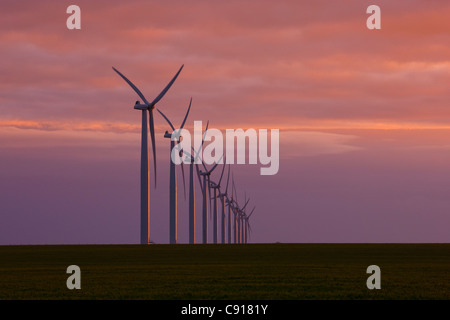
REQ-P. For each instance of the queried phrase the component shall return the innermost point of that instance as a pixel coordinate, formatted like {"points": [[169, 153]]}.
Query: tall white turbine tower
{"points": [[174, 140], [216, 188], [238, 216], [239, 227], [243, 223], [225, 201], [215, 220], [145, 174], [243, 227], [248, 228], [228, 203], [223, 197], [206, 194], [193, 161], [234, 210], [234, 207]]}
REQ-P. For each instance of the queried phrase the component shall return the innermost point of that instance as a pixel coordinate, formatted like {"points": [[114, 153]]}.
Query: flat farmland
{"points": [[226, 272]]}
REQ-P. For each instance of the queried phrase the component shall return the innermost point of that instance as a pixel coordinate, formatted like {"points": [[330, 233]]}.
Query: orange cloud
{"points": [[285, 64]]}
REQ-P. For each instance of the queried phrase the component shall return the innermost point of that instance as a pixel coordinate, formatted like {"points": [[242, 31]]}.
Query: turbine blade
{"points": [[251, 212], [228, 179], [197, 154], [132, 86], [215, 166], [206, 170], [245, 204], [167, 119], [159, 97], [203, 164], [210, 171], [188, 155], [199, 178], [187, 113], [152, 136], [245, 199], [221, 175], [234, 188]]}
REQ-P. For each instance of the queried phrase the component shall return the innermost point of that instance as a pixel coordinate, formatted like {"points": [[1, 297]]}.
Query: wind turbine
{"points": [[243, 227], [239, 226], [240, 214], [145, 192], [206, 194], [216, 187], [193, 160], [238, 223], [243, 224], [229, 206], [233, 205], [248, 228], [224, 199], [174, 138]]}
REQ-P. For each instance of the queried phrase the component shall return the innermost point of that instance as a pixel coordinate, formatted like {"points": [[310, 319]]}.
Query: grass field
{"points": [[253, 271]]}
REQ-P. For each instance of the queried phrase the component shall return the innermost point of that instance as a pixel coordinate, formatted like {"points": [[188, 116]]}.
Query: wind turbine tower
{"points": [[145, 173], [174, 140]]}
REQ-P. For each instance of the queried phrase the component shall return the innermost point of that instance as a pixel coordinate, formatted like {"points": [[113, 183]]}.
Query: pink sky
{"points": [[363, 114]]}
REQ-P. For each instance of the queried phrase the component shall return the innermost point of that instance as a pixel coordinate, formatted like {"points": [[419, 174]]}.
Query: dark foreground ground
{"points": [[253, 271]]}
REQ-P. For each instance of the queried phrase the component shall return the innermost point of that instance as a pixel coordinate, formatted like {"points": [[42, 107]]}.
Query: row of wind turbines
{"points": [[234, 219]]}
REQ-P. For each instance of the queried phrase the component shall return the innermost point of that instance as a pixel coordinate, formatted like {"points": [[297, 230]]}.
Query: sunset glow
{"points": [[363, 115]]}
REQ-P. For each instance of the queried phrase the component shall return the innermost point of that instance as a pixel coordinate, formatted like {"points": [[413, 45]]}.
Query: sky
{"points": [[363, 116]]}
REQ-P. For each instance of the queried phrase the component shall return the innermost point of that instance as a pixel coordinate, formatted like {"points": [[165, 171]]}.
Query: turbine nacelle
{"points": [[139, 106], [175, 135], [213, 185]]}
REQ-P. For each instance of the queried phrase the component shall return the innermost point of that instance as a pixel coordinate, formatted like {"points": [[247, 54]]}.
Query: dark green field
{"points": [[253, 271]]}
